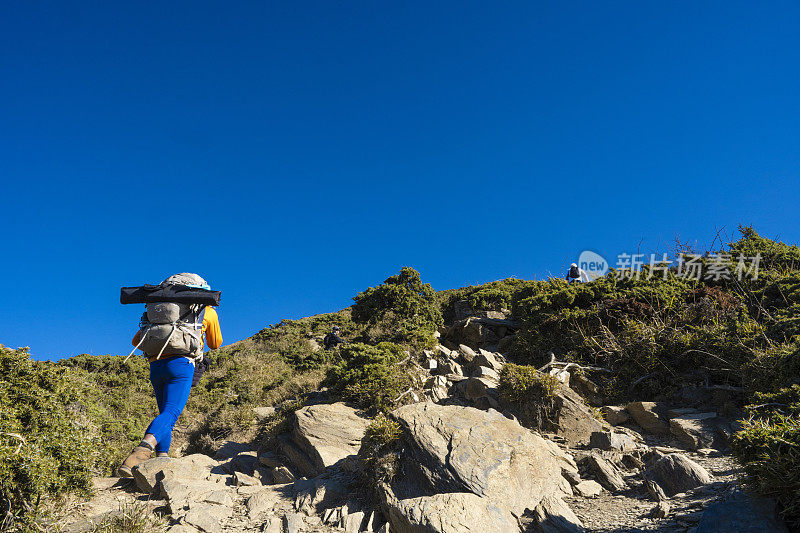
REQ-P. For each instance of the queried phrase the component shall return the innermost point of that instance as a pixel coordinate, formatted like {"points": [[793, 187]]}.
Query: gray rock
{"points": [[588, 488], [281, 475], [461, 449], [328, 433], [605, 472], [742, 513], [269, 459], [650, 416], [450, 512], [479, 387], [615, 415], [695, 430], [552, 515], [352, 522], [261, 502], [605, 440], [677, 473], [196, 467], [488, 373], [467, 353], [243, 480], [487, 359], [292, 523]]}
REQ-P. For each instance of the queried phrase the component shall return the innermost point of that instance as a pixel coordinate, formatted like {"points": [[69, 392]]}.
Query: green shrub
{"points": [[48, 445], [378, 451], [371, 377], [528, 393], [402, 310], [769, 450]]}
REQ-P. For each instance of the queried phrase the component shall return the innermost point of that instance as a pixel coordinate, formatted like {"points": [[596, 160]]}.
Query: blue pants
{"points": [[172, 382]]}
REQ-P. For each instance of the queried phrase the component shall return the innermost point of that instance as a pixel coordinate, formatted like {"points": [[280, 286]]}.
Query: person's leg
{"points": [[144, 450], [177, 386]]}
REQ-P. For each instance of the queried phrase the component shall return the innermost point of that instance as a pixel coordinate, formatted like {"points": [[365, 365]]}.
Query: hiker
{"points": [[576, 275], [173, 359], [332, 339]]}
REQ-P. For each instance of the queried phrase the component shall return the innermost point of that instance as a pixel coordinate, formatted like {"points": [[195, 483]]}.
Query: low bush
{"points": [[371, 377], [401, 310], [528, 393]]}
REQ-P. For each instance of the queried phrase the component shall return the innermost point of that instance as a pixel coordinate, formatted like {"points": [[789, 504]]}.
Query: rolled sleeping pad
{"points": [[179, 294]]}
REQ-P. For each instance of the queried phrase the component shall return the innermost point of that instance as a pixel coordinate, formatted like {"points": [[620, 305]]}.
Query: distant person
{"points": [[333, 339], [576, 275], [172, 364]]}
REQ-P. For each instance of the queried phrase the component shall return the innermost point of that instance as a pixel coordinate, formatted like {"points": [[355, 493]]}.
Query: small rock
{"points": [[485, 372], [292, 523], [243, 480], [615, 415], [588, 489], [648, 416], [661, 510], [263, 412], [269, 459], [467, 353], [479, 387], [487, 359], [605, 440], [695, 430], [352, 522], [282, 475], [605, 472]]}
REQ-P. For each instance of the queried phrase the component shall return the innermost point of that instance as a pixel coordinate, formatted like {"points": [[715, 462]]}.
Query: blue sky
{"points": [[294, 153]]}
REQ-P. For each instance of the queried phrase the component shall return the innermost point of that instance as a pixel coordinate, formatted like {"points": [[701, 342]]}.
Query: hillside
{"points": [[634, 394]]}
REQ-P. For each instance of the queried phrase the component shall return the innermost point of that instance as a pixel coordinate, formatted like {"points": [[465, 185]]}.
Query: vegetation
{"points": [[528, 393], [402, 310], [379, 450], [371, 377], [48, 443]]}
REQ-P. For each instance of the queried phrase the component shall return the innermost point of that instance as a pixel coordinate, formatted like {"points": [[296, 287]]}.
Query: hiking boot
{"points": [[162, 454], [140, 454]]}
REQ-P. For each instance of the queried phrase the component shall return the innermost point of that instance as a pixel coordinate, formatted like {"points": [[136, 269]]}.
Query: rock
{"points": [[573, 419], [742, 513], [243, 480], [588, 389], [196, 466], [677, 473], [435, 381], [328, 433], [297, 458], [207, 517], [649, 416], [230, 449], [273, 524], [450, 512], [695, 430], [352, 522], [605, 440], [281, 475], [487, 359], [263, 412], [292, 523], [661, 510], [506, 343], [467, 354], [680, 411], [588, 489], [606, 473], [460, 449], [467, 331], [261, 502], [615, 415], [443, 352], [479, 387], [552, 515], [179, 493], [485, 372], [269, 459]]}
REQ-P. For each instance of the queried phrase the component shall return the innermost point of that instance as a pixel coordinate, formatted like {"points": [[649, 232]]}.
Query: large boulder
{"points": [[191, 467], [650, 416], [573, 419], [326, 434], [677, 473], [502, 468]]}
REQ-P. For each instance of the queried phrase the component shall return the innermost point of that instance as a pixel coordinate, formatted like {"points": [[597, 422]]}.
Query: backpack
{"points": [[176, 329], [174, 326]]}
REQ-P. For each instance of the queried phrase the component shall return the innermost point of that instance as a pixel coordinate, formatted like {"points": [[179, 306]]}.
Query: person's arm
{"points": [[212, 329]]}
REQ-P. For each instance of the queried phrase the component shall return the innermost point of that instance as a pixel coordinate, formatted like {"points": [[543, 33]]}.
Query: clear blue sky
{"points": [[294, 153]]}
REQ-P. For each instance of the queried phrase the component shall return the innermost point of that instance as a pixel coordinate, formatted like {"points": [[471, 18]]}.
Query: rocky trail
{"points": [[464, 464]]}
